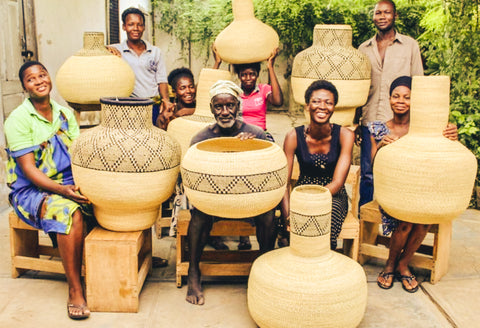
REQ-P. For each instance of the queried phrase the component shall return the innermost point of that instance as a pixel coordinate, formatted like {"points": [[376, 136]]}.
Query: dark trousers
{"points": [[366, 172]]}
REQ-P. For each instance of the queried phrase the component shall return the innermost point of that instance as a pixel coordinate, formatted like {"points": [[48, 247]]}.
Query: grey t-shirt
{"points": [[210, 132]]}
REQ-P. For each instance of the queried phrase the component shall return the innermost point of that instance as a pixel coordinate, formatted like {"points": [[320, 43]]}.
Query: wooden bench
{"points": [[28, 251], [117, 264], [212, 262], [432, 256]]}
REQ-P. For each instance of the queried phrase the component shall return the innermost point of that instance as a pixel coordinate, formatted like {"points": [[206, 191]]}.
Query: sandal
{"points": [[158, 262], [385, 276], [84, 311], [409, 279], [217, 243], [244, 244]]}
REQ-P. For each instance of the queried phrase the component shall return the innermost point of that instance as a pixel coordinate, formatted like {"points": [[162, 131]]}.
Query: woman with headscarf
{"points": [[406, 237]]}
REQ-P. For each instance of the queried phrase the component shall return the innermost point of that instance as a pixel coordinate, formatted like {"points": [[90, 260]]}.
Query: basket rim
{"points": [[126, 101]]}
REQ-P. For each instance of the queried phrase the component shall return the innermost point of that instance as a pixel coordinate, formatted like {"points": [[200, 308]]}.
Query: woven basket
{"points": [[424, 177], [184, 128], [93, 72], [246, 39], [233, 178], [332, 57], [307, 284], [126, 166]]}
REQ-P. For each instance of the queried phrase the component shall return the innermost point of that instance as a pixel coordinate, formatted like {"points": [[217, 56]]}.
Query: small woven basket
{"points": [[233, 178], [93, 72]]}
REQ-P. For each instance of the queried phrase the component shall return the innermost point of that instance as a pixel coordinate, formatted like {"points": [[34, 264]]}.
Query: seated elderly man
{"points": [[225, 105]]}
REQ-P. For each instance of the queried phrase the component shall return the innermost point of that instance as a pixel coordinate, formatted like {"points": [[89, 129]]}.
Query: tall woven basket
{"points": [[93, 72], [126, 166], [307, 285], [246, 39], [184, 128], [425, 177], [233, 178], [332, 57]]}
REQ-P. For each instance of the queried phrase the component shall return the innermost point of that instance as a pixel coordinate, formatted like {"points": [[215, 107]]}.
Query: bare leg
{"points": [[71, 250], [397, 243], [415, 238], [266, 231], [198, 232]]}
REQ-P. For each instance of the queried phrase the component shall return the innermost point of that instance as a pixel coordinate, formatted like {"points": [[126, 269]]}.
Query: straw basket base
{"points": [[324, 291], [126, 201], [235, 206]]}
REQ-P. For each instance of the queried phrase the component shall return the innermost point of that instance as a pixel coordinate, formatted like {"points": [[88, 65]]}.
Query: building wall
{"points": [[60, 28]]}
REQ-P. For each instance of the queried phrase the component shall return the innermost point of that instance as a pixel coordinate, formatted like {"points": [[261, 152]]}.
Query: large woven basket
{"points": [[93, 72], [332, 57], [184, 128], [307, 285], [233, 178], [246, 39], [126, 166], [425, 177]]}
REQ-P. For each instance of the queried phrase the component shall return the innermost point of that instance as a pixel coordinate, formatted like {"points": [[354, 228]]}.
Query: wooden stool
{"points": [[431, 257], [117, 264], [26, 251], [213, 262]]}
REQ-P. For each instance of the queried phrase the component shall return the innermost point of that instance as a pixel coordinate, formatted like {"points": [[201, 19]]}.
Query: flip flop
{"points": [[385, 276], [217, 243], [158, 262], [244, 245], [409, 279], [84, 314]]}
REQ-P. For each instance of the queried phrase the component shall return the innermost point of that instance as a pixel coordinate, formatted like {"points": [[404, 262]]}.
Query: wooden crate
{"points": [[432, 255], [117, 264]]}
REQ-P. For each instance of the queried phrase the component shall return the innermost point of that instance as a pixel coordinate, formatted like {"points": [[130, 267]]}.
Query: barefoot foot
{"points": [[195, 291]]}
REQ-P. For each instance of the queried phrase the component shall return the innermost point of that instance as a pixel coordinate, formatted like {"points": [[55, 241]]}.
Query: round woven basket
{"points": [[184, 128], [424, 177], [126, 166], [93, 72], [310, 285], [233, 178], [332, 57], [246, 39]]}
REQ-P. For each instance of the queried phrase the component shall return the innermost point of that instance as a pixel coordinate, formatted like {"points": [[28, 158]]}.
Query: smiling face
{"points": [[321, 105], [224, 107], [134, 26], [400, 100], [248, 78], [185, 91], [384, 16], [36, 82]]}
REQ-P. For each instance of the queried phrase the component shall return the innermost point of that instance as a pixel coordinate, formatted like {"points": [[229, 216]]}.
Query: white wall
{"points": [[60, 25]]}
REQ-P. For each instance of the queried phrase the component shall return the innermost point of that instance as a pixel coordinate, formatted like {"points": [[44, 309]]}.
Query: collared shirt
{"points": [[149, 68], [26, 129], [254, 106], [402, 57]]}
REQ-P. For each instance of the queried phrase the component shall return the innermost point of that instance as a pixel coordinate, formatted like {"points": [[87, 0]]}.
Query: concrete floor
{"points": [[39, 299]]}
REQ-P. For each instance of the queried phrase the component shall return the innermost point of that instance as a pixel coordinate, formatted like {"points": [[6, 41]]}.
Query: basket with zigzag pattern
{"points": [[233, 178]]}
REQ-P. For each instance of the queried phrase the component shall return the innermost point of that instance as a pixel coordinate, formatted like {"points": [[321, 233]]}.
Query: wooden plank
{"points": [[38, 264], [143, 272], [218, 269]]}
